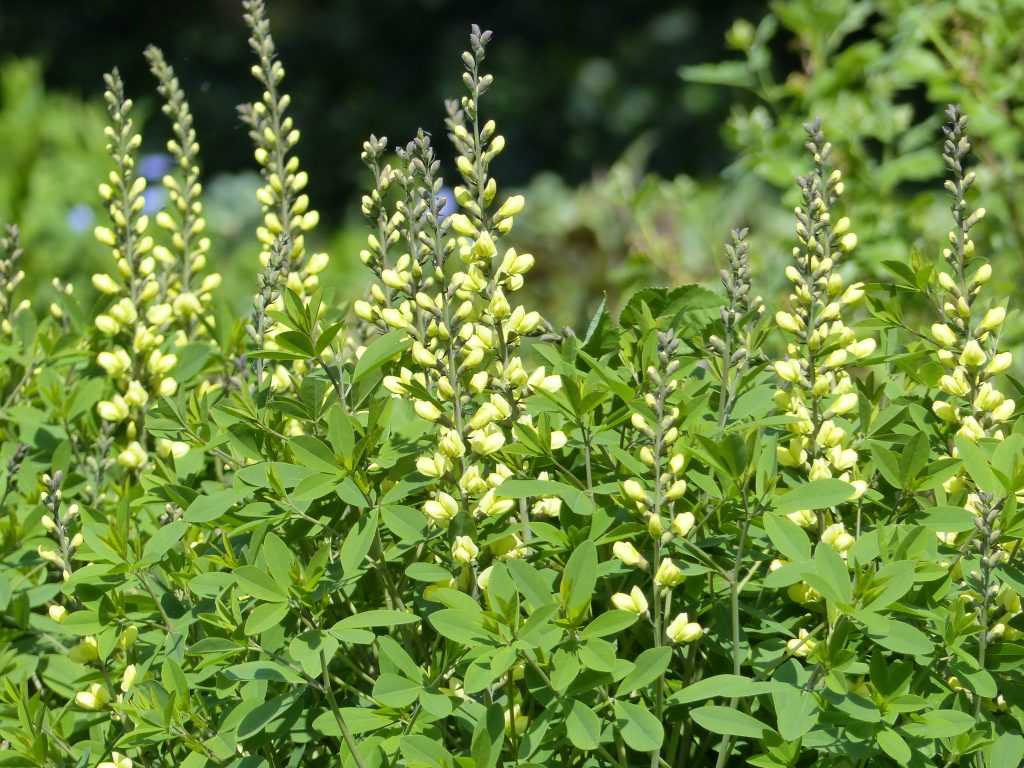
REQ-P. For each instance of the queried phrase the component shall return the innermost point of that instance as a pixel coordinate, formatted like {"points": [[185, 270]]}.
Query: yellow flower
{"points": [[113, 410], [442, 509], [464, 550], [802, 645], [488, 440], [628, 554], [836, 537], [945, 411], [93, 698], [117, 760], [683, 523], [426, 410], [634, 602], [57, 612], [999, 363], [131, 672], [787, 370], [633, 490], [943, 334], [133, 456], [805, 518], [993, 318], [682, 630], [972, 356], [669, 574]]}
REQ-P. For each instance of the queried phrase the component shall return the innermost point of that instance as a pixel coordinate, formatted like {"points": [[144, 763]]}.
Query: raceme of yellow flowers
{"points": [[817, 388], [131, 344], [446, 284]]}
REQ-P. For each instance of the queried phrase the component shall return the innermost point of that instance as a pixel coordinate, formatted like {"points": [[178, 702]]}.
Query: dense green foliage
{"points": [[431, 529]]}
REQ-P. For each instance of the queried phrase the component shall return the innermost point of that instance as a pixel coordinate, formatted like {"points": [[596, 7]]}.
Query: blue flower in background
{"points": [[155, 198], [449, 203], [80, 217], [155, 165]]}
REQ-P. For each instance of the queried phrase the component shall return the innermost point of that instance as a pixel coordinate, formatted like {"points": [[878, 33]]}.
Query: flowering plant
{"points": [[436, 531]]}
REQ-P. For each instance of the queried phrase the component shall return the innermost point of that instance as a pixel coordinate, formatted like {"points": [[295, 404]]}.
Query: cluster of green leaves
{"points": [[620, 559]]}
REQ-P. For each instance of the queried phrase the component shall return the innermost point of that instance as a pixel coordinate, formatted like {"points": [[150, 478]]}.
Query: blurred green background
{"points": [[640, 131]]}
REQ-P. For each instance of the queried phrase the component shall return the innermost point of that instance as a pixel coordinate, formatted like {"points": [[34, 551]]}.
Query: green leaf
{"points": [[895, 635], [307, 648], [647, 668], [264, 616], [262, 715], [731, 73], [583, 727], [728, 722], [396, 691], [639, 728], [577, 499], [419, 750], [796, 711], [379, 352], [722, 686], [978, 466], [579, 580], [376, 618], [956, 519], [259, 584], [263, 670], [1006, 752], [830, 576], [164, 539], [946, 723], [817, 494], [463, 626], [894, 746], [357, 544], [608, 623], [488, 737], [788, 537], [207, 508]]}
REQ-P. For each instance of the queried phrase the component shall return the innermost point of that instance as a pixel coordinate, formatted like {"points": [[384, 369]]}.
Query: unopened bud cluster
{"points": [[654, 499], [10, 278], [57, 522], [282, 196]]}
